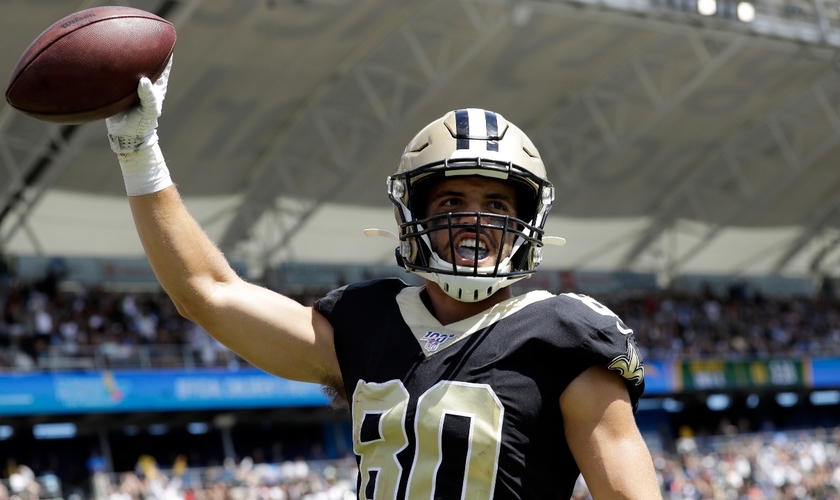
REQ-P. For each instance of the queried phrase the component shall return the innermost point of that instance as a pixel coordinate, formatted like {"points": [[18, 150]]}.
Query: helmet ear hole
{"points": [[526, 201], [419, 196]]}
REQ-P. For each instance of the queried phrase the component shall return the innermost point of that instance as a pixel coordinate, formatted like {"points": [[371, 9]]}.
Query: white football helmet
{"points": [[471, 142]]}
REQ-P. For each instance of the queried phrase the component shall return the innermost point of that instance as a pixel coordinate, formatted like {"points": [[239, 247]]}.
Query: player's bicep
{"points": [[604, 439], [272, 331]]}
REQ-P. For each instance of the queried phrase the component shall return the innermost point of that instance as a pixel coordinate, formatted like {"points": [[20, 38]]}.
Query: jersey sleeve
{"points": [[599, 337], [364, 317], [326, 305]]}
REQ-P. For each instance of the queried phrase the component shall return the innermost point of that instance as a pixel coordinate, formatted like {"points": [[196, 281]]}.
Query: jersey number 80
{"points": [[379, 434]]}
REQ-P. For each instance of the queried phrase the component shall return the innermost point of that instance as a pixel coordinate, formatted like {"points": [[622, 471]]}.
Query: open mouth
{"points": [[470, 250]]}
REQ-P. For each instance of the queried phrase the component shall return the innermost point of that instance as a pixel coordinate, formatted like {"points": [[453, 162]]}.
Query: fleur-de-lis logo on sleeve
{"points": [[629, 365]]}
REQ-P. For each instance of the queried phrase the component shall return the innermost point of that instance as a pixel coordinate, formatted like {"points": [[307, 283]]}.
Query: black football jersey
{"points": [[470, 409]]}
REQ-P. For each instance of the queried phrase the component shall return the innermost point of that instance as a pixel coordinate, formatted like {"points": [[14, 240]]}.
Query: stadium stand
{"points": [[91, 328], [735, 325], [769, 452]]}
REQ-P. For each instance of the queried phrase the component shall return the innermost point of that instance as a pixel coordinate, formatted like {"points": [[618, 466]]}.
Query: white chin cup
{"points": [[469, 288]]}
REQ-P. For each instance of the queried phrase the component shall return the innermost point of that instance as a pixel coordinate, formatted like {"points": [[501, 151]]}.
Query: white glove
{"points": [[133, 136], [136, 127]]}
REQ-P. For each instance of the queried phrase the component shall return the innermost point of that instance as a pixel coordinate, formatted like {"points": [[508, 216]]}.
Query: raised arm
{"points": [[269, 330], [604, 439]]}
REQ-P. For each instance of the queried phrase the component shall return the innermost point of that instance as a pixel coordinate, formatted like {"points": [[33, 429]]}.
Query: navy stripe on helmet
{"points": [[462, 129], [492, 130], [490, 137]]}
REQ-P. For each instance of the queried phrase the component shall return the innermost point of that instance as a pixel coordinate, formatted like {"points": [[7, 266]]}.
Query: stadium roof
{"points": [[678, 142]]}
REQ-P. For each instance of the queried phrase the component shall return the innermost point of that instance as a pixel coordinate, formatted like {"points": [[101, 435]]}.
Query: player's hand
{"points": [[133, 136], [136, 128]]}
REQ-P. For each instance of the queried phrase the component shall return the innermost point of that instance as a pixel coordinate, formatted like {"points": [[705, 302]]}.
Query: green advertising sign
{"points": [[728, 375]]}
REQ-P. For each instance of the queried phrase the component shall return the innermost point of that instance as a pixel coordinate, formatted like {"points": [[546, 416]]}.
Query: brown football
{"points": [[86, 66]]}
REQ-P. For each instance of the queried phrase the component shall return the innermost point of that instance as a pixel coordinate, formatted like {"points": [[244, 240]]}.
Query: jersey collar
{"points": [[433, 336]]}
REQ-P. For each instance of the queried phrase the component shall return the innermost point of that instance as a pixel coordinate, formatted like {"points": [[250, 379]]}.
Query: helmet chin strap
{"points": [[469, 288]]}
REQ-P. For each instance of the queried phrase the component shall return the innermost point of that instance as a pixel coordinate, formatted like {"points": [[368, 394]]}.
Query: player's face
{"points": [[472, 194]]}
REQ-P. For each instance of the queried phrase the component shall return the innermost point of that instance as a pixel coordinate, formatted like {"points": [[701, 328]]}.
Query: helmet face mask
{"points": [[474, 143]]}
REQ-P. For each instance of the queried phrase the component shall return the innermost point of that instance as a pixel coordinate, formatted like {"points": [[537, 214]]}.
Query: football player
{"points": [[456, 389]]}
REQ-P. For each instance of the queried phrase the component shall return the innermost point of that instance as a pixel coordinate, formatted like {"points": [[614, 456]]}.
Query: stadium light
{"points": [[821, 398], [672, 405], [787, 399], [6, 431], [707, 7], [718, 402], [54, 431], [198, 428], [746, 12], [753, 400]]}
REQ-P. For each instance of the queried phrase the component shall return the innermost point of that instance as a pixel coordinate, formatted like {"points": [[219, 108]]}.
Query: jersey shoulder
{"points": [[580, 324], [586, 311], [357, 296]]}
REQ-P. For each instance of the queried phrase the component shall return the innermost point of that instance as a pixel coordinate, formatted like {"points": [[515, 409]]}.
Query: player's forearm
{"points": [[185, 261], [627, 474]]}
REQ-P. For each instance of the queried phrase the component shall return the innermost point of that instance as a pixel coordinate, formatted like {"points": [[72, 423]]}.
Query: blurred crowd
{"points": [[738, 324], [246, 480], [802, 465], [793, 465], [41, 322], [290, 480]]}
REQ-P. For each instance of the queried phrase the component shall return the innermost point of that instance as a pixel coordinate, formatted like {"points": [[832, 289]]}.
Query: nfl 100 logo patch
{"points": [[435, 340]]}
